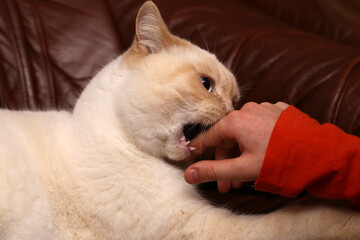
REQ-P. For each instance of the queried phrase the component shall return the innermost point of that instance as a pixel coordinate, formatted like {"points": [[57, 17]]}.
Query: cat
{"points": [[100, 172]]}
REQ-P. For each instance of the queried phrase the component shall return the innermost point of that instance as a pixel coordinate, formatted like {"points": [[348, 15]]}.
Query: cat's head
{"points": [[170, 83]]}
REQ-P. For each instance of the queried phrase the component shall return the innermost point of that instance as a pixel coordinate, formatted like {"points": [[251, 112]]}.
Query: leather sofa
{"points": [[305, 53]]}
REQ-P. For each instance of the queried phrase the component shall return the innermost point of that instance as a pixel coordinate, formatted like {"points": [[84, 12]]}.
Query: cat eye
{"points": [[207, 83]]}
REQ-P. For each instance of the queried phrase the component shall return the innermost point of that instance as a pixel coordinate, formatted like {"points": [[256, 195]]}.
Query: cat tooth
{"points": [[187, 143], [192, 148]]}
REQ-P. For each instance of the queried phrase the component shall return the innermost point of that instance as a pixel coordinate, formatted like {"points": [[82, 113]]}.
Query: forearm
{"points": [[305, 155]]}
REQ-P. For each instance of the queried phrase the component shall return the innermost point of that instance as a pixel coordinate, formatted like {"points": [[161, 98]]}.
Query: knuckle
{"points": [[249, 106], [265, 104], [233, 114], [234, 117], [210, 173], [281, 105]]}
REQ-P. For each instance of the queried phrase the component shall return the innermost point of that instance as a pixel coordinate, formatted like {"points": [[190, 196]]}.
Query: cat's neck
{"points": [[96, 124], [95, 101], [94, 115]]}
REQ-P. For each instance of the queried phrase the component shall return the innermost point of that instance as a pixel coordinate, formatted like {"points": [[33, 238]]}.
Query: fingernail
{"points": [[192, 176]]}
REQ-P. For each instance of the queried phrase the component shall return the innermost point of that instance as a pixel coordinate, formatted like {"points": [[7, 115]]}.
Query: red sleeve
{"points": [[305, 155]]}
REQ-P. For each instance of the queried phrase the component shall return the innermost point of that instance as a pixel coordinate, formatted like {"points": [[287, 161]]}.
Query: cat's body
{"points": [[99, 172]]}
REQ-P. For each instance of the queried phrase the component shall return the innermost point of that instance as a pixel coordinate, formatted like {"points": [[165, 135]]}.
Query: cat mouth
{"points": [[190, 131]]}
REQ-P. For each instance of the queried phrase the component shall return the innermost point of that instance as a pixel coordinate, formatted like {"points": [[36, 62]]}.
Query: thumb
{"points": [[207, 171]]}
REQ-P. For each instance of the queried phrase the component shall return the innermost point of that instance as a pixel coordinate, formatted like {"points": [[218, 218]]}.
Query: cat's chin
{"points": [[178, 148]]}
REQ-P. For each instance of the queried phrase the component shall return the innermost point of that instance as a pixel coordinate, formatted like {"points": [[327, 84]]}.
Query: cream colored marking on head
{"points": [[165, 91]]}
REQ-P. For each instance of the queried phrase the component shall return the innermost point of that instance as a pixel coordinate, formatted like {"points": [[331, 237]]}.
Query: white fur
{"points": [[99, 172], [79, 176]]}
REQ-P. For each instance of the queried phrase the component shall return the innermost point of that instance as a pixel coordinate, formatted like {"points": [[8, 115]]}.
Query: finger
{"points": [[243, 169], [214, 136], [224, 186], [236, 184], [207, 171], [225, 150]]}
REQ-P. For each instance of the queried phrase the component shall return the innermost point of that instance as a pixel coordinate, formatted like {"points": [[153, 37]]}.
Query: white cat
{"points": [[100, 173]]}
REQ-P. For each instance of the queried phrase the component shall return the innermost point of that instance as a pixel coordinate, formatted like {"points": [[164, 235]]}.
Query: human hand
{"points": [[249, 129]]}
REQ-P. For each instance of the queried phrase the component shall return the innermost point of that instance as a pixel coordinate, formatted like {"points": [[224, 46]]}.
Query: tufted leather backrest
{"points": [[302, 52]]}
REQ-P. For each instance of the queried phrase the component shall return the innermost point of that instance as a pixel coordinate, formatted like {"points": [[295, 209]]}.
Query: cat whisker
{"points": [[215, 44], [203, 38]]}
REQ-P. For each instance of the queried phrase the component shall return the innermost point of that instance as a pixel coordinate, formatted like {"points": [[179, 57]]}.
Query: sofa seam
{"points": [[19, 46], [44, 53]]}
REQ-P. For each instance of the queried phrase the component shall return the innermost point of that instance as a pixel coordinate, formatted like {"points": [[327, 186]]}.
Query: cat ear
{"points": [[152, 34]]}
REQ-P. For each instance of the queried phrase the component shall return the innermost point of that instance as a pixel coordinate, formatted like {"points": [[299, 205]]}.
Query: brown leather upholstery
{"points": [[293, 51], [305, 53]]}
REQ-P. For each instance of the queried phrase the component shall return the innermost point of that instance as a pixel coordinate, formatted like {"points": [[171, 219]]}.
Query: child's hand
{"points": [[249, 129]]}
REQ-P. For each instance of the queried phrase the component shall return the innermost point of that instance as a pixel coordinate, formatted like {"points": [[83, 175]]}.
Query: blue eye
{"points": [[207, 83]]}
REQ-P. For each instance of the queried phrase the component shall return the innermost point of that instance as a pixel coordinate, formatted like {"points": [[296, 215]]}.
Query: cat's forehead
{"points": [[205, 62], [181, 59], [208, 65]]}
